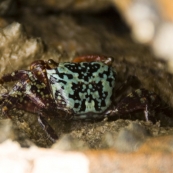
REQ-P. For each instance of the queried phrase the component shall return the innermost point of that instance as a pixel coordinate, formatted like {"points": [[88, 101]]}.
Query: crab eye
{"points": [[52, 63]]}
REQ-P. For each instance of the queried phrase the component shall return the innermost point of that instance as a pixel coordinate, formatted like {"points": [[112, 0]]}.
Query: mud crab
{"points": [[81, 89]]}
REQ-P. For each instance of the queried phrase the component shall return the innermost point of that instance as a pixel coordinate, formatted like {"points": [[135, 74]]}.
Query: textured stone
{"points": [[39, 160], [76, 34], [151, 22], [15, 56], [17, 50], [70, 5]]}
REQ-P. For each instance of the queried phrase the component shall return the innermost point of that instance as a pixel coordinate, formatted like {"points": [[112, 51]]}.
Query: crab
{"points": [[81, 89]]}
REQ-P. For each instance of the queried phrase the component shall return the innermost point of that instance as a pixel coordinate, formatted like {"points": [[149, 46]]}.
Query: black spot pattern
{"points": [[87, 68], [84, 87]]}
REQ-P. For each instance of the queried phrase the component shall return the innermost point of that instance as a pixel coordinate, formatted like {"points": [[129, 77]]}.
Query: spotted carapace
{"points": [[81, 89]]}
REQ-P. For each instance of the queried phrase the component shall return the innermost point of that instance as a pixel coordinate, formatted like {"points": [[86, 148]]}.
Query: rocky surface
{"points": [[151, 23], [39, 160], [127, 59], [70, 5], [45, 32]]}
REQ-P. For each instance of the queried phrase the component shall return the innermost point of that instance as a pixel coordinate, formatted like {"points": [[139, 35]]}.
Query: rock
{"points": [[6, 130], [39, 160], [18, 50], [70, 5], [131, 138], [67, 143], [16, 56], [8, 7], [62, 36], [151, 23]]}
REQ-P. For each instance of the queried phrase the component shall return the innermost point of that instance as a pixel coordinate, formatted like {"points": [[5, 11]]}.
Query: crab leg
{"points": [[16, 75], [140, 99], [132, 81], [18, 98], [47, 128], [27, 105], [146, 112], [12, 98]]}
